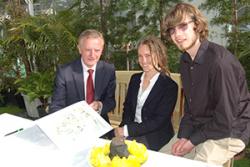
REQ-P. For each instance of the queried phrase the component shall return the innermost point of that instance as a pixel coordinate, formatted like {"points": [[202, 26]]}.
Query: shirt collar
{"points": [[85, 68], [153, 79], [200, 56]]}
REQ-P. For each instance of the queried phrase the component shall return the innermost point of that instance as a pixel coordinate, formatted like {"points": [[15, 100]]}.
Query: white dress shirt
{"points": [[141, 98], [85, 77]]}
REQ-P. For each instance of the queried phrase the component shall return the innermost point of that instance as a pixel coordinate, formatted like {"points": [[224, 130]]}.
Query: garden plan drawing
{"points": [[75, 126]]}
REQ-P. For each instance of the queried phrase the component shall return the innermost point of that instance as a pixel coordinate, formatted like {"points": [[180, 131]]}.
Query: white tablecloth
{"points": [[10, 123], [32, 147], [157, 159]]}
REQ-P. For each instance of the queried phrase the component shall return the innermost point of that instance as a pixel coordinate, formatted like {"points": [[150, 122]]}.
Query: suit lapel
{"points": [[78, 78], [135, 91], [156, 91]]}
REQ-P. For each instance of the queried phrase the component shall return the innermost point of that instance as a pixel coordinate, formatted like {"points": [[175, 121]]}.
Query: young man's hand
{"points": [[182, 147]]}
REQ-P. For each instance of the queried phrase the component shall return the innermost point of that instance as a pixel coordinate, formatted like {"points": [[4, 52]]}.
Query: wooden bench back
{"points": [[122, 81]]}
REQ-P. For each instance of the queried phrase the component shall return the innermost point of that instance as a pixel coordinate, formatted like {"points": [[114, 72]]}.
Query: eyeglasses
{"points": [[181, 26]]}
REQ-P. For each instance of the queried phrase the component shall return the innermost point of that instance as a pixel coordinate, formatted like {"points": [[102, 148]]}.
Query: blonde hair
{"points": [[90, 33], [158, 53], [179, 13]]}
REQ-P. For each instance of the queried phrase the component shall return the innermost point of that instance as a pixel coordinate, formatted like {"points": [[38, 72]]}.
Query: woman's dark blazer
{"points": [[156, 114]]}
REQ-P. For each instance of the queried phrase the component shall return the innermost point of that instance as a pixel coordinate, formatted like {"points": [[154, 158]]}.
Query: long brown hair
{"points": [[158, 53], [179, 13]]}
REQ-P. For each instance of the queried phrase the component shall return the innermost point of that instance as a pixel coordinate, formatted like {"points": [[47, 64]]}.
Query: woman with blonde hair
{"points": [[150, 99]]}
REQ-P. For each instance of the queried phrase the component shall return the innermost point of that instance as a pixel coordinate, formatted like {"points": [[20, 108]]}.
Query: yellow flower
{"points": [[138, 150], [106, 149], [133, 162], [99, 156], [124, 162]]}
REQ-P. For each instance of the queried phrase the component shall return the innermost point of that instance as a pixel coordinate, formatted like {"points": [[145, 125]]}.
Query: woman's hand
{"points": [[119, 132]]}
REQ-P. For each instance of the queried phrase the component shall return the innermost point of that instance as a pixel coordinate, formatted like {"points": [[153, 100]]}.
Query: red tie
{"points": [[90, 87]]}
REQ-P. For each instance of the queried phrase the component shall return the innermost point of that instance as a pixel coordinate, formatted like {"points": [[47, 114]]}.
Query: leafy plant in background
{"points": [[31, 45], [37, 85], [44, 41], [39, 42], [7, 89], [123, 23]]}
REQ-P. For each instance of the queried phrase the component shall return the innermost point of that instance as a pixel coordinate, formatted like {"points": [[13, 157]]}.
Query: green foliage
{"points": [[10, 109], [123, 23], [224, 8], [39, 42], [242, 162], [37, 85], [245, 61], [33, 45], [44, 41], [7, 82], [173, 57], [120, 59]]}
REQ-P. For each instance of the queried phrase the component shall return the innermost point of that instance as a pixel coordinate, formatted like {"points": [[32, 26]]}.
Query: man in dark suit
{"points": [[72, 79]]}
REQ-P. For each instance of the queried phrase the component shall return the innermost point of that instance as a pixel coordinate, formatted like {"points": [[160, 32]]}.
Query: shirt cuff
{"points": [[100, 108], [125, 131], [197, 138]]}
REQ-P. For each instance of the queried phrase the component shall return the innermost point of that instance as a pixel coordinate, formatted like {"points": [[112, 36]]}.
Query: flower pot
{"points": [[31, 106]]}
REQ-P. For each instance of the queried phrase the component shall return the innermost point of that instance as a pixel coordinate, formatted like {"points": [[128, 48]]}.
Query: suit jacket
{"points": [[69, 86], [156, 126]]}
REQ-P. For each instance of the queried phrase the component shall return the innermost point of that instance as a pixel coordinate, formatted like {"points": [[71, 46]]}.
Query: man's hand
{"points": [[96, 105], [187, 147], [119, 132], [176, 148], [182, 147]]}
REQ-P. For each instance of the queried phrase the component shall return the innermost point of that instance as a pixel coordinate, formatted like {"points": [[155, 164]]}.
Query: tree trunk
{"points": [[161, 5], [103, 23]]}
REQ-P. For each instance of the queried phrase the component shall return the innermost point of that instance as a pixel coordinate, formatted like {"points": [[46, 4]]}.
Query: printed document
{"points": [[75, 126]]}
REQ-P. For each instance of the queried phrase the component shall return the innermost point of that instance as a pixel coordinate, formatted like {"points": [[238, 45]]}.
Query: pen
{"points": [[14, 132]]}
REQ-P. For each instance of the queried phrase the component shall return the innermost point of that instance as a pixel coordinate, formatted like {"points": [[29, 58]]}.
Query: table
{"points": [[32, 147], [157, 159], [10, 123]]}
